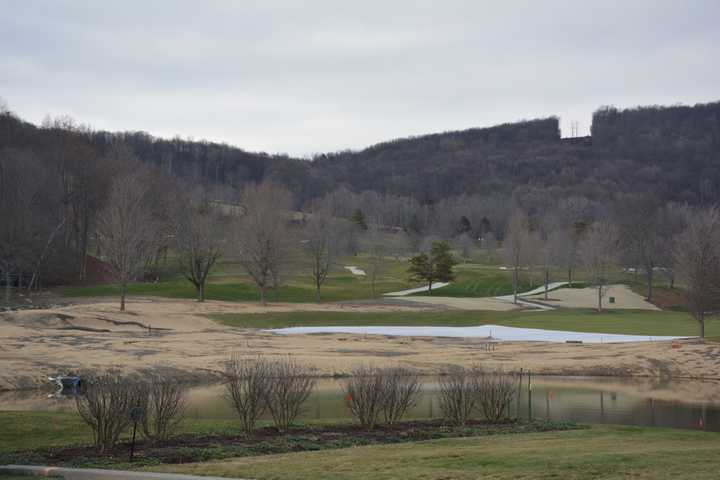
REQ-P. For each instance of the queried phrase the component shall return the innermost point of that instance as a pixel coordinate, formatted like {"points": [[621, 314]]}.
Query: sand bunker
{"points": [[355, 270], [490, 332], [587, 298]]}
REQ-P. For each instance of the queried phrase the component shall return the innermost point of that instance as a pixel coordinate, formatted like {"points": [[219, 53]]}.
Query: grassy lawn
{"points": [[598, 453], [474, 280], [231, 284], [24, 429], [631, 322]]}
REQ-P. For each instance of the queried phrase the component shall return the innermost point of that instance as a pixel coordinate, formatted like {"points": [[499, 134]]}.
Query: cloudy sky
{"points": [[301, 77]]}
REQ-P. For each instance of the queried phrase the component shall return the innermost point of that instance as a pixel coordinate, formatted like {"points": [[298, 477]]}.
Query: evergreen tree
{"points": [[436, 266], [358, 218]]}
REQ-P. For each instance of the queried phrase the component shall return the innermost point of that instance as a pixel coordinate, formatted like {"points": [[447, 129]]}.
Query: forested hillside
{"points": [[675, 151], [55, 178]]}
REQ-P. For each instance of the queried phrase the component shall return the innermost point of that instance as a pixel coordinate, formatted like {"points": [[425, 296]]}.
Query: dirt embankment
{"points": [[175, 334]]}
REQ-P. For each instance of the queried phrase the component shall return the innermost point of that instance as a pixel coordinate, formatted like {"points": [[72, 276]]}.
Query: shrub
{"points": [[364, 395], [247, 385], [163, 404], [401, 389], [105, 404], [496, 389], [459, 388], [290, 385]]}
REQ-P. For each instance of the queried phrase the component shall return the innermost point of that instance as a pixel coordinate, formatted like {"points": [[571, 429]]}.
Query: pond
{"points": [[608, 400]]}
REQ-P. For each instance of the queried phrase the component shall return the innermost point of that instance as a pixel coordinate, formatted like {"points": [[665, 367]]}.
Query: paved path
{"points": [[355, 270], [96, 473], [403, 293]]}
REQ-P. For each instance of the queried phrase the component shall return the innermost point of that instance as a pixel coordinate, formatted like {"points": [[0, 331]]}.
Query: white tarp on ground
{"points": [[494, 332]]}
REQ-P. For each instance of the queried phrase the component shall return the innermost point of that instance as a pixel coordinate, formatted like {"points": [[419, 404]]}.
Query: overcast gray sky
{"points": [[310, 76]]}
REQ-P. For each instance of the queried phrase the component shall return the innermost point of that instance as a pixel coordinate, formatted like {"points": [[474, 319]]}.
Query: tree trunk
{"points": [[317, 293], [201, 291], [263, 300], [570, 276], [430, 286], [547, 279], [7, 286], [701, 321], [515, 285], [123, 291], [649, 277], [600, 298]]}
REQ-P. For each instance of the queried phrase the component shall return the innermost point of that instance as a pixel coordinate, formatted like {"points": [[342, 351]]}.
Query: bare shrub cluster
{"points": [[459, 393], [105, 406], [258, 385], [163, 405], [371, 392], [466, 391], [107, 399]]}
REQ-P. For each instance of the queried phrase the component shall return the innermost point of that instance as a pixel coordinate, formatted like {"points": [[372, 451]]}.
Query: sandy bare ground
{"points": [[38, 343], [587, 298]]}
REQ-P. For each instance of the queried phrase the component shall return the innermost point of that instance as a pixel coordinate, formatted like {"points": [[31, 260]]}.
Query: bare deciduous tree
{"points": [[516, 247], [321, 246], [127, 231], [697, 260], [198, 242], [263, 233], [375, 247], [598, 250], [640, 230]]}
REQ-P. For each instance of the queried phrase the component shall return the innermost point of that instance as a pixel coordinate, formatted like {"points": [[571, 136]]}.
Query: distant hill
{"points": [[672, 151]]}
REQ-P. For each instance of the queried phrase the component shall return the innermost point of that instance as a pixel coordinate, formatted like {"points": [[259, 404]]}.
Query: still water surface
{"points": [[678, 404]]}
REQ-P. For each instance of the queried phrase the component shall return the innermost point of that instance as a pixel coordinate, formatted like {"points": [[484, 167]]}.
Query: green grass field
{"points": [[27, 429], [598, 453], [631, 322], [229, 283]]}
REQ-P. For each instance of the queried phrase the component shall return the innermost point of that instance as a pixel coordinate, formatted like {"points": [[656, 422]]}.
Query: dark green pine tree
{"points": [[438, 266]]}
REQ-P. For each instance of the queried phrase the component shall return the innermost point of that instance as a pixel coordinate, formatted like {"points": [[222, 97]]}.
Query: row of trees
{"points": [[642, 236]]}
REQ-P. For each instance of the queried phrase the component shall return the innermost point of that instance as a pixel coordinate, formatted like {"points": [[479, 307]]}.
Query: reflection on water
{"points": [[589, 400]]}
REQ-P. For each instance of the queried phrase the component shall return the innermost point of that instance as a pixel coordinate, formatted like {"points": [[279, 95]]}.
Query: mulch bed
{"points": [[266, 441]]}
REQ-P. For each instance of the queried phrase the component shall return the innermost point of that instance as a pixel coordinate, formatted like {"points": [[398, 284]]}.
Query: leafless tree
{"points": [[401, 390], [105, 406], [248, 382], [598, 250], [574, 215], [375, 248], [464, 243], [641, 232], [459, 389], [198, 241], [321, 246], [263, 238], [291, 383], [516, 246], [696, 253], [29, 199], [364, 395], [127, 231]]}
